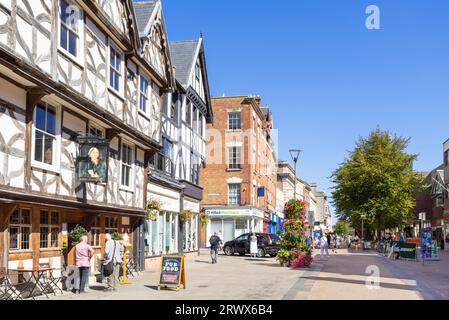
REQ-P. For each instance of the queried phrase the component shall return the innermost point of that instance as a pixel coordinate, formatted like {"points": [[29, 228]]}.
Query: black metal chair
{"points": [[7, 290], [133, 266]]}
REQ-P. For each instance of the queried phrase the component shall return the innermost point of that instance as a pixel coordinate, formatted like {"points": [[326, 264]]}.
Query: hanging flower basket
{"points": [[153, 208], [204, 219], [186, 215]]}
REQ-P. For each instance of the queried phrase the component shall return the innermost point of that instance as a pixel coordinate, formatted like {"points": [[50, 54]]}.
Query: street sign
{"points": [[172, 272]]}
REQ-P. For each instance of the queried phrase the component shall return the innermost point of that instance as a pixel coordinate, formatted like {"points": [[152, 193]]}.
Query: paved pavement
{"points": [[357, 276], [342, 276]]}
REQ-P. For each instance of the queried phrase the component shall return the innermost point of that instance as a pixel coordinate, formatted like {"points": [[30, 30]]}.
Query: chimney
{"points": [[314, 187]]}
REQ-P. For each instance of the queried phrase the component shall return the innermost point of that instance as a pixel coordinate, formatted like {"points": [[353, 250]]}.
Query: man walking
{"points": [[215, 243], [113, 252], [324, 246]]}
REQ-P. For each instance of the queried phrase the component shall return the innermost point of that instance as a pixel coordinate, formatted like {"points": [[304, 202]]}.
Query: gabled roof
{"points": [[183, 55], [145, 11]]}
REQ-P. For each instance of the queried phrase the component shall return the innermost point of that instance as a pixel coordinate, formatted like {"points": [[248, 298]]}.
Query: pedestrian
{"points": [[83, 254], [253, 245], [324, 246], [349, 241], [215, 244], [113, 253], [220, 235], [334, 242]]}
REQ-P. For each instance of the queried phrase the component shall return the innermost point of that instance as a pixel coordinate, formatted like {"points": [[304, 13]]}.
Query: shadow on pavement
{"points": [[382, 285], [201, 261]]}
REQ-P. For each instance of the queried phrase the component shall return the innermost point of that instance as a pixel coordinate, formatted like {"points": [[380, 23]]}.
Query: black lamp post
{"points": [[295, 156]]}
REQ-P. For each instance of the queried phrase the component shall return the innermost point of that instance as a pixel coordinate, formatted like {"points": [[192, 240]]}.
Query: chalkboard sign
{"points": [[172, 272]]}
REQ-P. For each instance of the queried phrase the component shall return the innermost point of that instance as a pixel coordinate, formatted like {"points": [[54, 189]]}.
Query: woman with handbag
{"points": [[113, 253]]}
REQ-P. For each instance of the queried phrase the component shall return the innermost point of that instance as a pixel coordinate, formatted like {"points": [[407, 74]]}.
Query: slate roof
{"points": [[144, 11], [182, 56]]}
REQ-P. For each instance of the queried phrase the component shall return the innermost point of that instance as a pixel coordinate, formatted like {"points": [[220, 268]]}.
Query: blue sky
{"points": [[326, 77]]}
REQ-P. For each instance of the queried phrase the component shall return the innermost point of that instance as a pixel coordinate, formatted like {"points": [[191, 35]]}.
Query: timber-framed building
{"points": [[71, 68]]}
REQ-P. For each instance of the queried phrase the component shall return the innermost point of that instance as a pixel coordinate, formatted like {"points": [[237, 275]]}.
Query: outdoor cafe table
{"points": [[37, 274]]}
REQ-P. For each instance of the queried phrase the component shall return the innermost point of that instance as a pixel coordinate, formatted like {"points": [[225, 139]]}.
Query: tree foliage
{"points": [[376, 182], [342, 228]]}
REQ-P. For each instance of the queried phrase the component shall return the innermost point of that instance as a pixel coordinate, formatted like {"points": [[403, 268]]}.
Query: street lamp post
{"points": [[295, 156]]}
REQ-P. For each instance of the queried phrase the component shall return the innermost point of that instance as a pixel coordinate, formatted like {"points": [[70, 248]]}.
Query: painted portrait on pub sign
{"points": [[92, 161]]}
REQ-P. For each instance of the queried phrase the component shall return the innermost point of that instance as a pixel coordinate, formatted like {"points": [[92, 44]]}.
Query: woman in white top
{"points": [[253, 245]]}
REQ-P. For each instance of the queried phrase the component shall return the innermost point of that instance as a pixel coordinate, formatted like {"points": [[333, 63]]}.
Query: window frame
{"points": [[49, 226], [56, 161], [120, 72], [239, 196], [147, 95], [130, 166], [235, 153], [20, 226], [231, 113], [79, 34]]}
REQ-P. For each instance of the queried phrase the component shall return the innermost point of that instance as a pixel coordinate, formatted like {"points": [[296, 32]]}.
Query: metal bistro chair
{"points": [[7, 290], [132, 266], [50, 283]]}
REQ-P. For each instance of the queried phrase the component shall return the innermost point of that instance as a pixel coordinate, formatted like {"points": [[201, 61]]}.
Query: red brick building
{"points": [[239, 179]]}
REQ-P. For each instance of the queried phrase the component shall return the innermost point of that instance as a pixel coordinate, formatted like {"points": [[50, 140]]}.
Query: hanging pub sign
{"points": [[93, 159], [172, 272]]}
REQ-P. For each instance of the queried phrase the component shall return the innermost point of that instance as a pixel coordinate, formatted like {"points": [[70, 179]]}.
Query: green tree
{"points": [[342, 228], [376, 182]]}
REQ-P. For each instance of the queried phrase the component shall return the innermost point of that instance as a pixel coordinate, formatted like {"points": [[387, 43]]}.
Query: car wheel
{"points": [[260, 253], [228, 251]]}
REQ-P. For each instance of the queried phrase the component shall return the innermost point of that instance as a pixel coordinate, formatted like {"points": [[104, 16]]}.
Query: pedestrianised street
{"points": [[342, 276]]}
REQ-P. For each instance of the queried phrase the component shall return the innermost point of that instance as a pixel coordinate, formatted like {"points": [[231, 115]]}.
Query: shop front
{"points": [[34, 233], [190, 241], [161, 233], [280, 221], [272, 226], [266, 222], [232, 223], [446, 231]]}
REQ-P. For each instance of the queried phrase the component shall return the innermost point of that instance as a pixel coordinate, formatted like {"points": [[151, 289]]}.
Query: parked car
{"points": [[266, 242]]}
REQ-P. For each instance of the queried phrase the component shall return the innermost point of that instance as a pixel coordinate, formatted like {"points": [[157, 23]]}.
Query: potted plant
{"points": [[116, 236], [283, 256], [153, 208], [204, 219], [186, 215], [75, 236]]}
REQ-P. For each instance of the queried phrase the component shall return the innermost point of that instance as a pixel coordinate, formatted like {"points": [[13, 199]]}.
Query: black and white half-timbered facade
{"points": [[174, 174], [81, 92]]}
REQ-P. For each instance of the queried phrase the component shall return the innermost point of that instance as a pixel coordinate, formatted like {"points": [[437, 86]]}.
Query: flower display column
{"points": [[294, 249]]}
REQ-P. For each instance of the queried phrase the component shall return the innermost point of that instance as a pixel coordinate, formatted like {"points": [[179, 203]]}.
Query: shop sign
{"points": [[125, 221], [172, 272], [406, 250], [92, 161]]}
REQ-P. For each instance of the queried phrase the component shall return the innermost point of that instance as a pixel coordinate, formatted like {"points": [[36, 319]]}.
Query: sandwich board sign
{"points": [[172, 272]]}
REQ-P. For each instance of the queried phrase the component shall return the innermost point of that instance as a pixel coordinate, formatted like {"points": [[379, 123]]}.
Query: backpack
{"points": [[214, 241]]}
